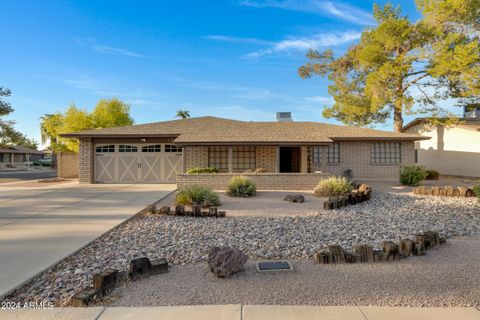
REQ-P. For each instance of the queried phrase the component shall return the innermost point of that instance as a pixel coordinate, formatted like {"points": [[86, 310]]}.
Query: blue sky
{"points": [[235, 59]]}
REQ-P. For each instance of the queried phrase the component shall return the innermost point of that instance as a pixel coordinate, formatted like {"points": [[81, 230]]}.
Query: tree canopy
{"points": [[400, 67], [106, 114], [8, 134], [183, 114]]}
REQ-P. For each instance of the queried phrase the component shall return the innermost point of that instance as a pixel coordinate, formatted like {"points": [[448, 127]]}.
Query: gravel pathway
{"points": [[447, 276], [184, 240]]}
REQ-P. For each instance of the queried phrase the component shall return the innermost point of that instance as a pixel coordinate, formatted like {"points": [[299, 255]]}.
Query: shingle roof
{"points": [[19, 149], [467, 123], [212, 130]]}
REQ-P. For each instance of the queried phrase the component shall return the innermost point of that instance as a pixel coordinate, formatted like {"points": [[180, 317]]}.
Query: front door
{"points": [[289, 159]]}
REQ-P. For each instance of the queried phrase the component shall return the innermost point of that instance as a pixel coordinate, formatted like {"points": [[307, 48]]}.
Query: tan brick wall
{"points": [[266, 157], [355, 155], [85, 161], [67, 165], [195, 156], [264, 181]]}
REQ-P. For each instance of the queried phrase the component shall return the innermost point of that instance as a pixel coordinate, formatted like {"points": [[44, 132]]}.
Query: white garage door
{"points": [[137, 163]]}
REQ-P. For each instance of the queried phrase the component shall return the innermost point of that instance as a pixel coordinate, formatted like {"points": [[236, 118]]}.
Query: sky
{"points": [[233, 58]]}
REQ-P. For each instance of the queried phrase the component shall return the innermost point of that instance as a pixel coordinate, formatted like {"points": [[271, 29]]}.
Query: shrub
{"points": [[412, 175], [197, 195], [202, 170], [241, 187], [333, 186], [432, 175], [476, 190]]}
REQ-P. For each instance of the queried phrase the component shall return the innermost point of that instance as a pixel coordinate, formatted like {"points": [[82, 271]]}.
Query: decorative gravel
{"points": [[185, 240]]}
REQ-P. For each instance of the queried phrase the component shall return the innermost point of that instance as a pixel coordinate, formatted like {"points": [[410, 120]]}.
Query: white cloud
{"points": [[336, 9], [293, 44], [92, 43], [232, 39], [320, 99]]}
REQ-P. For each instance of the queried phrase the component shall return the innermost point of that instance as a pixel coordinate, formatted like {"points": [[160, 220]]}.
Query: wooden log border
{"points": [[391, 251], [447, 191], [363, 193]]}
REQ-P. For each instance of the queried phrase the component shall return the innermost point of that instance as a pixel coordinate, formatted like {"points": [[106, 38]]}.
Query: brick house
{"points": [[291, 155]]}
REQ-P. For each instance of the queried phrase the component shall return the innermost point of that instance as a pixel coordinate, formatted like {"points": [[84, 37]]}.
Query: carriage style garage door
{"points": [[137, 163]]}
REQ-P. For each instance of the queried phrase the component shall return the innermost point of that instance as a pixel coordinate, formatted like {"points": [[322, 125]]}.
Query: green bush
{"points": [[333, 186], [197, 195], [202, 170], [241, 187], [476, 190], [412, 175], [432, 175]]}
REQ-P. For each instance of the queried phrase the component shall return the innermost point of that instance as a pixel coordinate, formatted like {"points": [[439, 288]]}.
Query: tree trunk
{"points": [[397, 119]]}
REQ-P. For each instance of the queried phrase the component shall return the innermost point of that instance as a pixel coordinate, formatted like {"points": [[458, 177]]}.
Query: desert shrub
{"points": [[432, 175], [193, 170], [241, 187], [412, 175], [197, 195], [476, 190], [333, 186]]}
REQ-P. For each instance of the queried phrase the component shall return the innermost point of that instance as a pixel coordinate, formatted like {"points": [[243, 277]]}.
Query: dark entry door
{"points": [[289, 159]]}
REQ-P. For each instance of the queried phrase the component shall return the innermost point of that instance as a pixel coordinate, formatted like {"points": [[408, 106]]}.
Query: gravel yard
{"points": [[447, 276], [186, 240]]}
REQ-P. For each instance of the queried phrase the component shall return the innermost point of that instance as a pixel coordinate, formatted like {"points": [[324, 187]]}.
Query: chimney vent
{"points": [[284, 117]]}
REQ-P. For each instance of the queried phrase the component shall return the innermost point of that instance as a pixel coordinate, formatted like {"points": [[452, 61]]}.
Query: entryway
{"points": [[289, 158]]}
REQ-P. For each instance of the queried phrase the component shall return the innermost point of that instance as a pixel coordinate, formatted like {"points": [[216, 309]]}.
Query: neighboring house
{"points": [[18, 156], [291, 154], [452, 150]]}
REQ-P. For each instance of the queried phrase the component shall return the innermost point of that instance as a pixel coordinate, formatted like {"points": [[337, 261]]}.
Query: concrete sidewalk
{"points": [[247, 312]]}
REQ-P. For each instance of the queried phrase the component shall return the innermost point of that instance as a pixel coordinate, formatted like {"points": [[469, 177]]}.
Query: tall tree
{"points": [[106, 114], [8, 134], [183, 114], [399, 64]]}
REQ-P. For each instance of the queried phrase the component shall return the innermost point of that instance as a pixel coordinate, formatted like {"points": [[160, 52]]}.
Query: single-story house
{"points": [[452, 150], [288, 154], [18, 156]]}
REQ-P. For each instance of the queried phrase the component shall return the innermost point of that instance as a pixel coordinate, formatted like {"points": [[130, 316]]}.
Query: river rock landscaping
{"points": [[187, 240]]}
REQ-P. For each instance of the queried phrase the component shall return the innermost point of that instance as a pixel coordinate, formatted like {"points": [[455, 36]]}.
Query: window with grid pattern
{"points": [[243, 157], [127, 148], [218, 157], [332, 153], [172, 148], [386, 152], [152, 148], [106, 148]]}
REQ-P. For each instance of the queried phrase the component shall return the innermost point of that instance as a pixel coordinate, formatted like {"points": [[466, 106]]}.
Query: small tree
{"points": [[438, 56], [183, 114]]}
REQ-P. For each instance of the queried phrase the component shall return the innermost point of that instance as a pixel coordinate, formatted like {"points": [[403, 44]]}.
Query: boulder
{"points": [[224, 261], [294, 198]]}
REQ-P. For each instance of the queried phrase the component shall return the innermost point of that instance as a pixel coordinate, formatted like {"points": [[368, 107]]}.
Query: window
{"points": [[385, 152], [243, 158], [106, 148], [332, 153], [172, 148], [416, 155], [152, 148], [127, 148], [218, 157], [5, 157]]}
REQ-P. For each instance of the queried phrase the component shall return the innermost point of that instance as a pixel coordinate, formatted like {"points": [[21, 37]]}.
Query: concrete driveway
{"points": [[39, 227]]}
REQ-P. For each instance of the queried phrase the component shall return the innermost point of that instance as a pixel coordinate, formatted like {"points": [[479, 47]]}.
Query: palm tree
{"points": [[184, 114]]}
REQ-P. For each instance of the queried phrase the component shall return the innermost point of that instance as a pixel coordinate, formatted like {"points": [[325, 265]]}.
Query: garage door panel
{"points": [[104, 168], [128, 168], [151, 168], [173, 165]]}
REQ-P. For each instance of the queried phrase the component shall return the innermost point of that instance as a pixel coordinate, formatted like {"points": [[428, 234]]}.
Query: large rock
{"points": [[224, 261], [294, 198]]}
